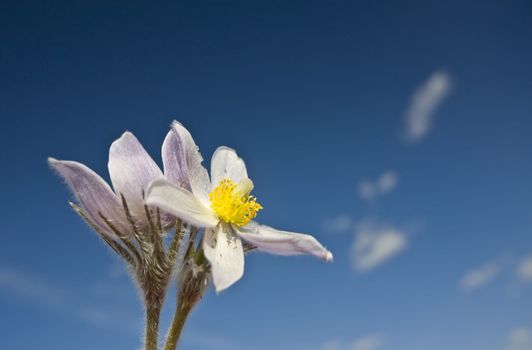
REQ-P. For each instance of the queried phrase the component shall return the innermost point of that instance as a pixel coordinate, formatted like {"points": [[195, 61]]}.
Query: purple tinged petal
{"points": [[174, 160], [93, 194], [197, 174], [131, 169], [278, 242]]}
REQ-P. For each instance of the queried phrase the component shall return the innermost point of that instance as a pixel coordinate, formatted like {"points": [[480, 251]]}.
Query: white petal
{"points": [[174, 160], [224, 251], [226, 164], [283, 243], [180, 202], [131, 169], [197, 174], [93, 194]]}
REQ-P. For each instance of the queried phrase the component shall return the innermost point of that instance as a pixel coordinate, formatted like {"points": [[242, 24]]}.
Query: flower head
{"points": [[130, 227], [222, 204]]}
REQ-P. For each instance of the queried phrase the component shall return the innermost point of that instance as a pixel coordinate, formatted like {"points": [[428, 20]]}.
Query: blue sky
{"points": [[398, 133]]}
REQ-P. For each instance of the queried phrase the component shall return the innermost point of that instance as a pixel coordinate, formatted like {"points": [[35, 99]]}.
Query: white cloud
{"points": [[42, 293], [424, 103], [385, 183], [524, 270], [370, 342], [340, 223], [480, 276], [374, 244], [519, 339], [30, 288]]}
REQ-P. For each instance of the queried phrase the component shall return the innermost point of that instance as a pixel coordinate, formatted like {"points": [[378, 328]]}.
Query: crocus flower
{"points": [[224, 207]]}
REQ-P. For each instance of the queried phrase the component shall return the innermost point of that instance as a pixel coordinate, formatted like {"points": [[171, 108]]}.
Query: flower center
{"points": [[232, 202]]}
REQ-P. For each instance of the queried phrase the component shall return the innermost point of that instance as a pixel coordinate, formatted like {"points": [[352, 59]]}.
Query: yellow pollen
{"points": [[233, 204]]}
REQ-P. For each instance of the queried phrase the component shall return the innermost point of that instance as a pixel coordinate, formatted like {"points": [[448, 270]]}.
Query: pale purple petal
{"points": [[197, 174], [278, 242], [180, 202], [226, 164], [174, 160], [93, 194], [131, 169], [224, 251]]}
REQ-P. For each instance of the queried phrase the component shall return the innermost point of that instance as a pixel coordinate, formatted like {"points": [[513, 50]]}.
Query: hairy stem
{"points": [[190, 293], [180, 316], [153, 313]]}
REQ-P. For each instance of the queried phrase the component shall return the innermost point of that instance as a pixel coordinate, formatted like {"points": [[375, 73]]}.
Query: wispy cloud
{"points": [[424, 104], [30, 288], [524, 269], [385, 183], [368, 342], [111, 316], [41, 293], [338, 224], [480, 276], [376, 243], [519, 339]]}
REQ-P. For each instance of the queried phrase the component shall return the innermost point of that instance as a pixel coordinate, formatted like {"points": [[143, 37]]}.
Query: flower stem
{"points": [[180, 316], [191, 290], [152, 326]]}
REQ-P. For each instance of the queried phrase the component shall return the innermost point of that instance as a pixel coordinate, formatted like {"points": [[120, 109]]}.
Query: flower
{"points": [[131, 169], [131, 228], [225, 209]]}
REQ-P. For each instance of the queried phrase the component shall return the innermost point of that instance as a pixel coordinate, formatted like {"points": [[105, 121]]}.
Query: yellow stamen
{"points": [[232, 202]]}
